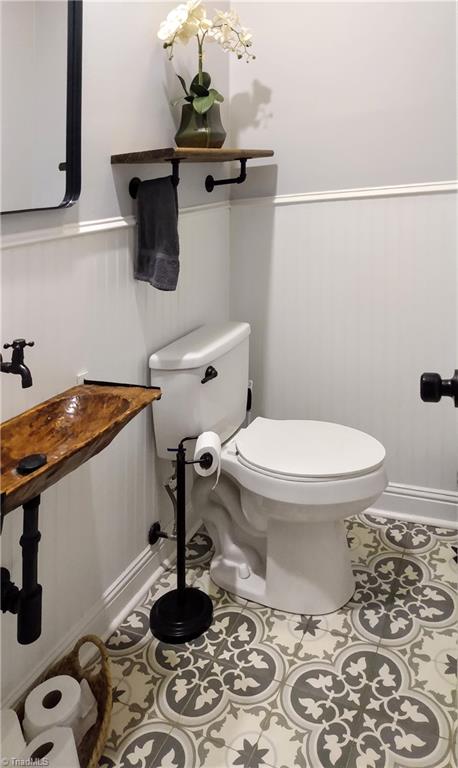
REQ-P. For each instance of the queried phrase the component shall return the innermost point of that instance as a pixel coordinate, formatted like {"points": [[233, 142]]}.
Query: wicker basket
{"points": [[91, 748]]}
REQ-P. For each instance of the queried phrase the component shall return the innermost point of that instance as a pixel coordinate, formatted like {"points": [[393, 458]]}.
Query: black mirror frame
{"points": [[72, 165]]}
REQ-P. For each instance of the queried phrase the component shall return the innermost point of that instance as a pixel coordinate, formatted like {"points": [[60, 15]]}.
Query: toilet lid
{"points": [[308, 449]]}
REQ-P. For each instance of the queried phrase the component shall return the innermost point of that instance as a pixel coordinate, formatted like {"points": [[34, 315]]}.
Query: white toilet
{"points": [[276, 514]]}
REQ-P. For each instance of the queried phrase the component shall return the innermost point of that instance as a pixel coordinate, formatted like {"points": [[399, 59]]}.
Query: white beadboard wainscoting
{"points": [[352, 295], [75, 296]]}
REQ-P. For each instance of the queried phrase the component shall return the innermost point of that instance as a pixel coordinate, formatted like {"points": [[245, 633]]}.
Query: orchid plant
{"points": [[189, 20]]}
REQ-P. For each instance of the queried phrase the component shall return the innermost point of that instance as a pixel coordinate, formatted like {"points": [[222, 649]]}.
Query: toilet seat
{"points": [[307, 451], [362, 472]]}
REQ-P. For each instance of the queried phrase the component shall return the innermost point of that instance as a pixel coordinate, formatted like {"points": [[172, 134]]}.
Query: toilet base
{"points": [[308, 566], [181, 615], [308, 570], [292, 557]]}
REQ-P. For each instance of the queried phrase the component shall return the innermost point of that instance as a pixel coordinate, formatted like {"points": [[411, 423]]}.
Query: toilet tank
{"points": [[189, 406]]}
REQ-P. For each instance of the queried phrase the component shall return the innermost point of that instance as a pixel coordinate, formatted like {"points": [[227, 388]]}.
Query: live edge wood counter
{"points": [[69, 429]]}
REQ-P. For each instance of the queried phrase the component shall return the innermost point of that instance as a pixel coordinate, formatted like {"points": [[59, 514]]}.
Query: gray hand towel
{"points": [[158, 248]]}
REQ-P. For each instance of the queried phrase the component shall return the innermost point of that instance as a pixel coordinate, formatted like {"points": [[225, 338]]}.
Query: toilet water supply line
{"points": [[175, 489], [170, 487], [249, 402]]}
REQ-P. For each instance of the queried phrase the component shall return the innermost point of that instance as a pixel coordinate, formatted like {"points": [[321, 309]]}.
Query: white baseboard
{"points": [[421, 505], [111, 609]]}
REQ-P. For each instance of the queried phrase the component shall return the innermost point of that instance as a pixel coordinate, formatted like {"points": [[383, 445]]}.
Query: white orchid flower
{"points": [[198, 15], [190, 20], [183, 22], [173, 23], [194, 5], [226, 17]]}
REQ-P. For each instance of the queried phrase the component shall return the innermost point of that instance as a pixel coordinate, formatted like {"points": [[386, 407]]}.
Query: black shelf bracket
{"points": [[135, 182], [211, 183]]}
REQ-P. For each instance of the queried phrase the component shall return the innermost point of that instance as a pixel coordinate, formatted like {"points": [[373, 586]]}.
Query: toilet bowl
{"points": [[286, 488], [276, 515]]}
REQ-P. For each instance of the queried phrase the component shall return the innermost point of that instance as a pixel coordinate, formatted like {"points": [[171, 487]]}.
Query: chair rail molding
{"points": [[81, 228], [401, 190]]}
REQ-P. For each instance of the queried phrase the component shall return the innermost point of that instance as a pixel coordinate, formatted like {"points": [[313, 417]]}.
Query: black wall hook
{"points": [[135, 182], [211, 183]]}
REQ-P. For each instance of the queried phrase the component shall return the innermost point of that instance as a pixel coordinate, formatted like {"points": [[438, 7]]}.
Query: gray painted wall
{"points": [[349, 95]]}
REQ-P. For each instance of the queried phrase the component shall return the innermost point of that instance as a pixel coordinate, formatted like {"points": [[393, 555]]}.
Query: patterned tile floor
{"points": [[373, 685]]}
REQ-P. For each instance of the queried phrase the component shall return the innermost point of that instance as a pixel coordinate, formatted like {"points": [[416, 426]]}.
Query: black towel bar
{"points": [[135, 182], [210, 181]]}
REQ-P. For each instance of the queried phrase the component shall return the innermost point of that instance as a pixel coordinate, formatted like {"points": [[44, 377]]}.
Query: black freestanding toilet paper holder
{"points": [[183, 613]]}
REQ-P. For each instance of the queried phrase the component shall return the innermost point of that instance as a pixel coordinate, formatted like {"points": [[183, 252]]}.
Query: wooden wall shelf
{"points": [[190, 155]]}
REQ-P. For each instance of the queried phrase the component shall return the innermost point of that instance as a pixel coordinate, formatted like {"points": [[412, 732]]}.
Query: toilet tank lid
{"points": [[200, 347]]}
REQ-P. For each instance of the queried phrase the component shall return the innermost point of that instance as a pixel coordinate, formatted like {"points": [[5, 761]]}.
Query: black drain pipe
{"points": [[27, 601]]}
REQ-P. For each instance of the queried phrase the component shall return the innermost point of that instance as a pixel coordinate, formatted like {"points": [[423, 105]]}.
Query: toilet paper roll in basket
{"points": [[88, 712], [54, 702], [12, 740], [54, 748], [208, 445]]}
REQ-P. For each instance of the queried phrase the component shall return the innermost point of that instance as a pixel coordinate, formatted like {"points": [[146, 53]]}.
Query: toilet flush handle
{"points": [[210, 373]]}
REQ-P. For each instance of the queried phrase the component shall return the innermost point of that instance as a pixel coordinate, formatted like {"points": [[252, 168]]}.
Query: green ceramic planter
{"points": [[200, 130]]}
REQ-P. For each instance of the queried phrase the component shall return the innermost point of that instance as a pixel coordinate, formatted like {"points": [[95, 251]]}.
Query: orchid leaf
{"points": [[199, 90], [206, 80], [181, 79], [218, 96], [202, 104]]}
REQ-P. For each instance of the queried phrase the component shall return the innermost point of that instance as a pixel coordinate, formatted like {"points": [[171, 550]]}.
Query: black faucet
{"points": [[17, 365]]}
